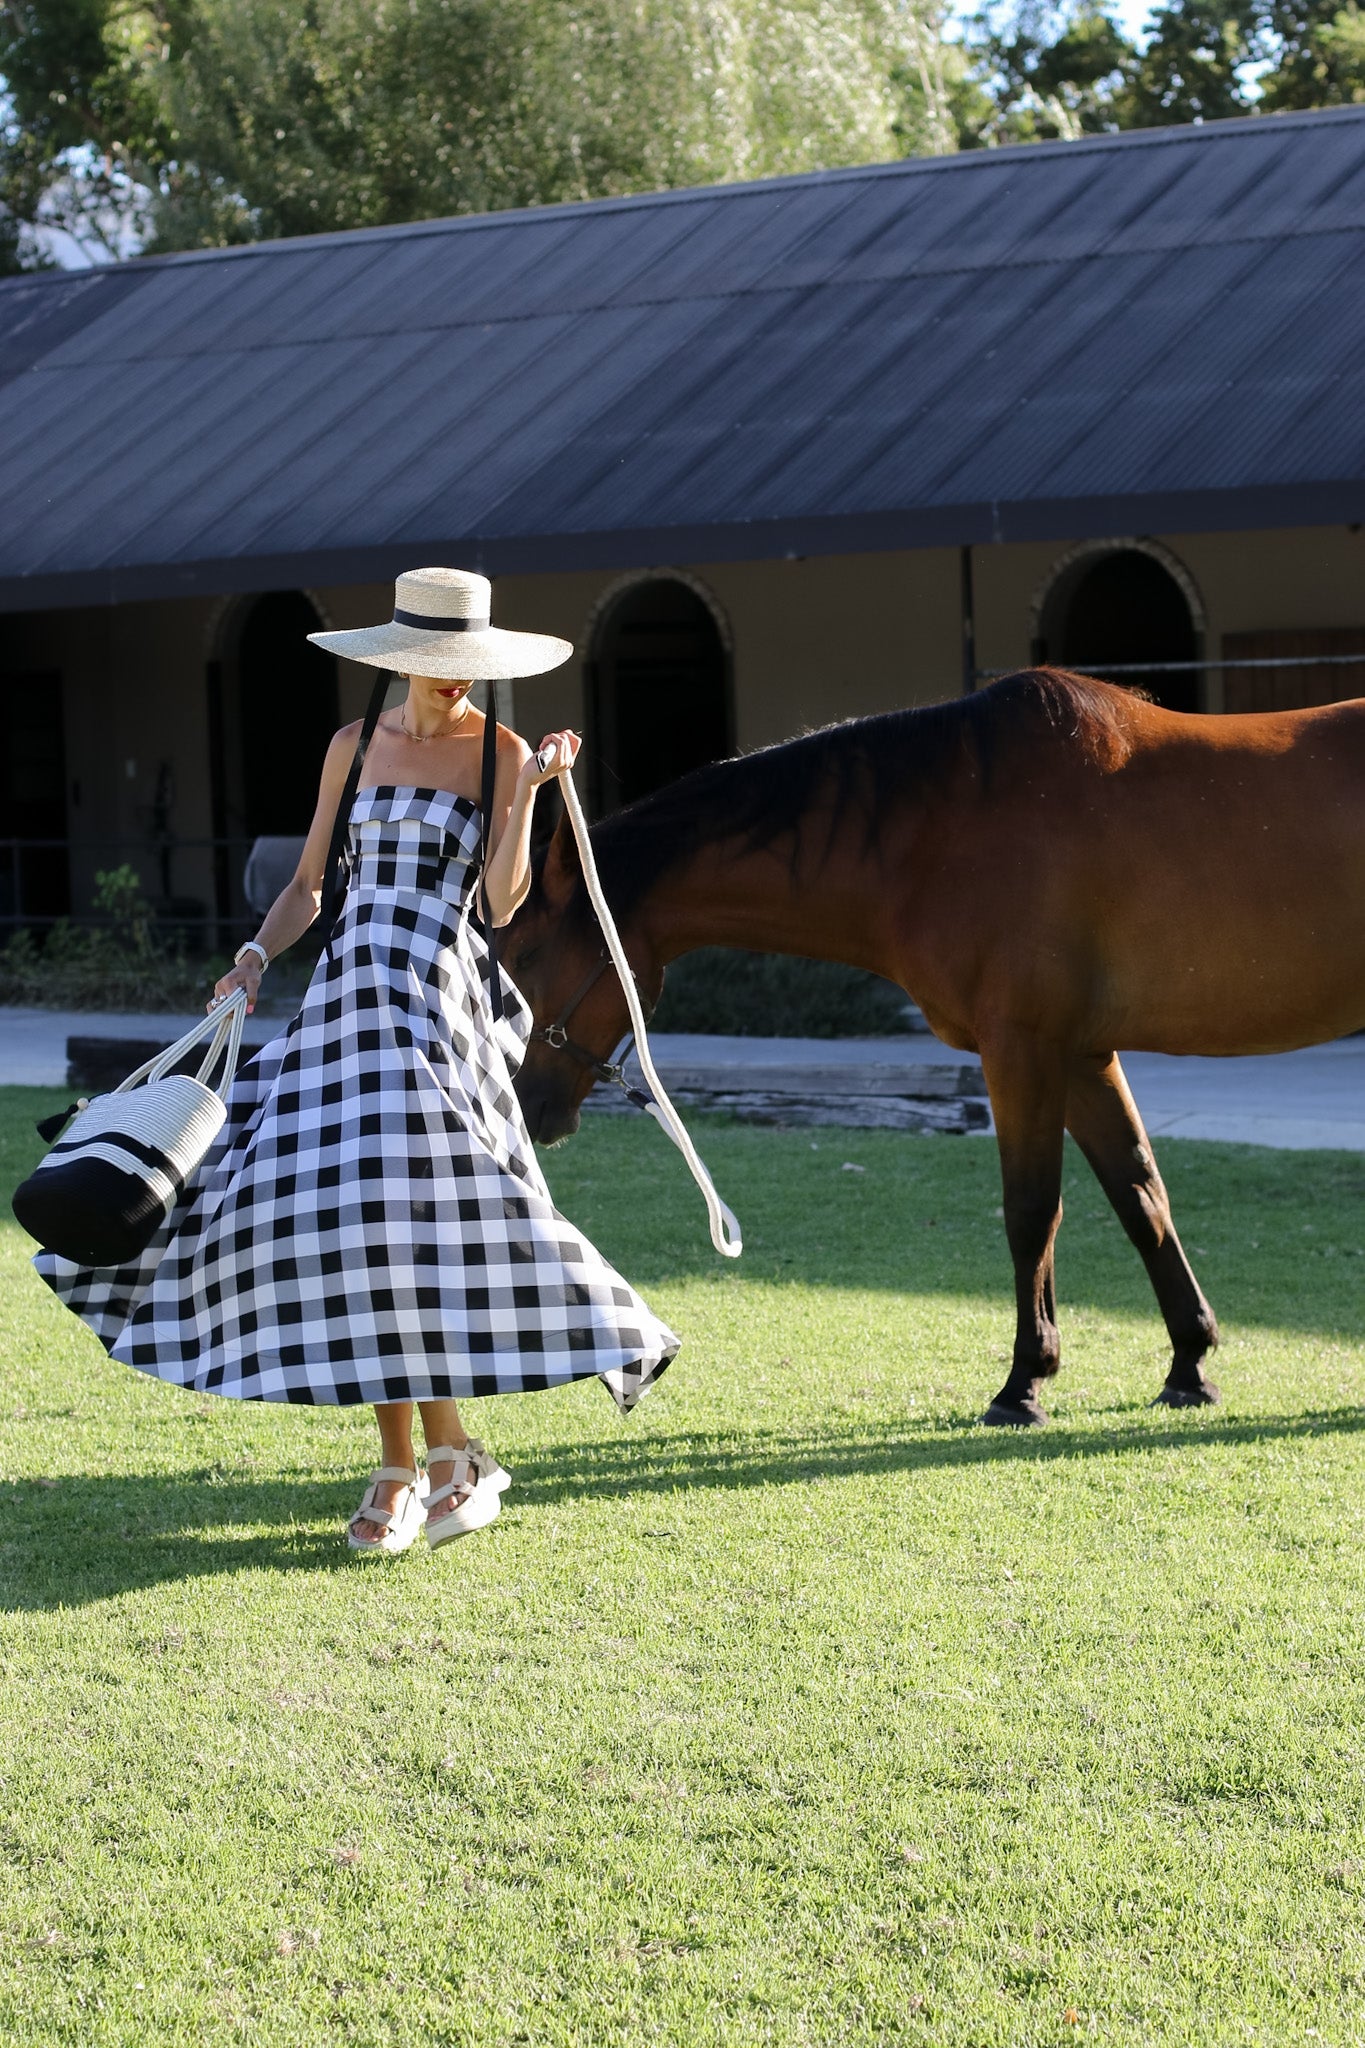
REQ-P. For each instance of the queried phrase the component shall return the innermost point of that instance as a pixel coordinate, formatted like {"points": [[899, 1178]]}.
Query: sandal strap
{"points": [[368, 1512], [473, 1451], [444, 1493], [387, 1518], [477, 1467]]}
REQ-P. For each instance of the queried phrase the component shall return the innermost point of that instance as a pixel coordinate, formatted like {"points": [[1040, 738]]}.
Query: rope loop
{"points": [[726, 1235]]}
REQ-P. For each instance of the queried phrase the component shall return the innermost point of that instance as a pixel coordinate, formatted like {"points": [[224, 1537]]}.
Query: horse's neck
{"points": [[827, 909]]}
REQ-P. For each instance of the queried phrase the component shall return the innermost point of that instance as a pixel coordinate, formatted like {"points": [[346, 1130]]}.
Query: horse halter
{"points": [[557, 1038]]}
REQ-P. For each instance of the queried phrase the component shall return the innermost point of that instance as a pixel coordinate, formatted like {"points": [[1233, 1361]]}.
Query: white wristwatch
{"points": [[252, 946]]}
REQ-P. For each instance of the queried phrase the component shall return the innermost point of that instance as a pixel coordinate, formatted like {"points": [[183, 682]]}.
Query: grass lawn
{"points": [[797, 1709]]}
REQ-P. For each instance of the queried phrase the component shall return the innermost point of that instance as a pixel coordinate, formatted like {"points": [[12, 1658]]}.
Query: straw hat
{"points": [[440, 627]]}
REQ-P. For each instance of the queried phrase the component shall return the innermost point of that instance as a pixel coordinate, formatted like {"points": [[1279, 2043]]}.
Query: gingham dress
{"points": [[372, 1223]]}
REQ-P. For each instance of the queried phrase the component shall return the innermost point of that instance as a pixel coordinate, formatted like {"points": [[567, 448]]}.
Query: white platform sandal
{"points": [[401, 1525], [479, 1471]]}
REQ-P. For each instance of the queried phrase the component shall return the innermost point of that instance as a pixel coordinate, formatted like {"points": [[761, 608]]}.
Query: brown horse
{"points": [[1052, 868]]}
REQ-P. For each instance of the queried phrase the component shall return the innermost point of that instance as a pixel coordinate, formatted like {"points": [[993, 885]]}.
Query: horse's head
{"points": [[555, 952]]}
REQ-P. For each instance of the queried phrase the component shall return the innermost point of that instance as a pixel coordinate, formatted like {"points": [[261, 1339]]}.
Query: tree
{"points": [[1192, 67], [78, 124], [1320, 59], [192, 123], [1047, 71]]}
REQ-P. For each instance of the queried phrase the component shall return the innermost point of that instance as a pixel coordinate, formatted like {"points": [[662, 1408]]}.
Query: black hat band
{"points": [[433, 625]]}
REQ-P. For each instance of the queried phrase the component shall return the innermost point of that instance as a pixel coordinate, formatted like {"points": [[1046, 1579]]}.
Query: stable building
{"points": [[770, 454]]}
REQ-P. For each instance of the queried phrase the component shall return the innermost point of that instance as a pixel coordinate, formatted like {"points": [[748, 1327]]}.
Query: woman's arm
{"points": [[296, 906], [514, 800]]}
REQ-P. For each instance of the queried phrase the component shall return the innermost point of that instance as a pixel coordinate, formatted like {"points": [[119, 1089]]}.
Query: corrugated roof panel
{"points": [[485, 389], [381, 299], [1204, 402], [41, 312], [497, 273], [739, 247], [898, 220], [1109, 343], [1129, 320], [578, 413], [416, 447], [351, 426], [962, 388], [291, 302], [610, 452], [1321, 439], [1341, 204], [188, 449], [769, 407], [94, 421], [657, 421], [166, 298], [600, 269]]}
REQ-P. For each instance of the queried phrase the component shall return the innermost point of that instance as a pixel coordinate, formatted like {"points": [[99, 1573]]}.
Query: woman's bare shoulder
{"points": [[512, 747], [340, 753]]}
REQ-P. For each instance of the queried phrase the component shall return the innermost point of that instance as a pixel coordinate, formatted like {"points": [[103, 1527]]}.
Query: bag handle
{"points": [[333, 894], [228, 1044], [223, 1026]]}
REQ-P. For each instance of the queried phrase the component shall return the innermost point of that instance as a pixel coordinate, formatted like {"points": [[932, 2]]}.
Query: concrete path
{"points": [[1297, 1100]]}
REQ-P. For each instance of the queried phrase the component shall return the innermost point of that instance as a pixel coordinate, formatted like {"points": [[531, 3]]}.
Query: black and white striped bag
{"points": [[112, 1176]]}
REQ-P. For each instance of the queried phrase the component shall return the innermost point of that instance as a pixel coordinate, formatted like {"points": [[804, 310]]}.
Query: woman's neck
{"points": [[423, 717]]}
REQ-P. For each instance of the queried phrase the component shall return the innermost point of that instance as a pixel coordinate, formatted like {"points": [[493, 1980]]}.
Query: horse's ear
{"points": [[561, 871]]}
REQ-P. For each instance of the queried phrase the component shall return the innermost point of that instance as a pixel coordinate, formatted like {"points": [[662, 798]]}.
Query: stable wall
{"points": [[133, 697], [810, 640], [1283, 579]]}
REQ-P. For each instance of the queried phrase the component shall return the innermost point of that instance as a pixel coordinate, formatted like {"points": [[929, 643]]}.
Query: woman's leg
{"points": [[395, 1437], [441, 1424]]}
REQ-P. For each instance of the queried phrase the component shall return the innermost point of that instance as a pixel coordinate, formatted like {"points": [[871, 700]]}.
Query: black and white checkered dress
{"points": [[372, 1224]]}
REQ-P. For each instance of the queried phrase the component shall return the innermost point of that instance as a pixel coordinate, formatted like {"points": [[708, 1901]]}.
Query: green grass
{"points": [[795, 1710]]}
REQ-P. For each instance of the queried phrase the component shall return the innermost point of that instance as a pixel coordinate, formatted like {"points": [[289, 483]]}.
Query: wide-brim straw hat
{"points": [[441, 626]]}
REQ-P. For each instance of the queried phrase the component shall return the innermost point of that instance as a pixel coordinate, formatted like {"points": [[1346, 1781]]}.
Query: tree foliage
{"points": [[200, 122], [1046, 71], [165, 124]]}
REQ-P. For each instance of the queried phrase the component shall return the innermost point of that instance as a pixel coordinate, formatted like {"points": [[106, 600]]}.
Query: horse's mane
{"points": [[859, 765]]}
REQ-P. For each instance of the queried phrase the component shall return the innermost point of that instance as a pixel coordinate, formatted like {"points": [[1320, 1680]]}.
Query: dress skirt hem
{"points": [[372, 1223]]}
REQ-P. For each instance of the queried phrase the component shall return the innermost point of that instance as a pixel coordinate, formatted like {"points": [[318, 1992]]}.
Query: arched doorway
{"points": [[287, 710], [658, 691], [273, 708], [1124, 606]]}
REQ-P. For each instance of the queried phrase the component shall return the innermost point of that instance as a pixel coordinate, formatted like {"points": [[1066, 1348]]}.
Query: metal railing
{"points": [[36, 878]]}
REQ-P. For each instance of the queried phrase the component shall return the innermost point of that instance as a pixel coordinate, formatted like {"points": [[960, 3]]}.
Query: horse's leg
{"points": [[1028, 1096], [1103, 1119]]}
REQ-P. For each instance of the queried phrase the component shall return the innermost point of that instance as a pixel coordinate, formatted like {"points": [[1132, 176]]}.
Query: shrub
{"points": [[119, 964], [769, 995]]}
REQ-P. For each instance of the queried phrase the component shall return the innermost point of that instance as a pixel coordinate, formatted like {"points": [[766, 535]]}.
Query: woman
{"points": [[372, 1225]]}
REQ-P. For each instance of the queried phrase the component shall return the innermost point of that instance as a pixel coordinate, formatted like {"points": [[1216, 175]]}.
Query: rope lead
{"points": [[726, 1235]]}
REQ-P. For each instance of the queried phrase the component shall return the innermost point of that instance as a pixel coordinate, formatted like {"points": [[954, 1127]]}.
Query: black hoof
{"points": [[1015, 1415], [1205, 1395]]}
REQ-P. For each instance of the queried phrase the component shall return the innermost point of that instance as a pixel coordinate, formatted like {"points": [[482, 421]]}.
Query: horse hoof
{"points": [[1015, 1415], [1206, 1395]]}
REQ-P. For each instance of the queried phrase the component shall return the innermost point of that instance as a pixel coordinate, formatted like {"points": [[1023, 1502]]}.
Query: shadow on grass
{"points": [[93, 1537]]}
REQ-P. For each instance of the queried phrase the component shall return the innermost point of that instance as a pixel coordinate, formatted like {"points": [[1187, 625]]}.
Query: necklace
{"points": [[422, 737]]}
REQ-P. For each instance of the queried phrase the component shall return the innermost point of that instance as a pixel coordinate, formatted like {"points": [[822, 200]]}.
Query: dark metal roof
{"points": [[1154, 331]]}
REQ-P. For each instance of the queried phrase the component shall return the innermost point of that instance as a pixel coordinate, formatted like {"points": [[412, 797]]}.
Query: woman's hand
{"points": [[560, 751], [247, 976]]}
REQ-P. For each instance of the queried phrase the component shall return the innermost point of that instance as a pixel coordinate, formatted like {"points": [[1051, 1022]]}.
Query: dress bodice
{"points": [[409, 841]]}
